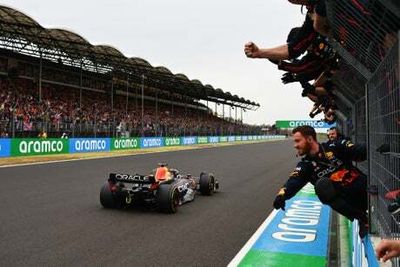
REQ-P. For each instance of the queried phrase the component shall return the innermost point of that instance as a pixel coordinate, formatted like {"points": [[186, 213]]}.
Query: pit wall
{"points": [[33, 146], [363, 254]]}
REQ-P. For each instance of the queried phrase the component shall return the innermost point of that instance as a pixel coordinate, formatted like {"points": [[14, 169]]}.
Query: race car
{"points": [[164, 189]]}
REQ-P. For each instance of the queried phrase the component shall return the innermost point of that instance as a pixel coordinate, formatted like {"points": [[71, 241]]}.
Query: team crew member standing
{"points": [[329, 168], [335, 136]]}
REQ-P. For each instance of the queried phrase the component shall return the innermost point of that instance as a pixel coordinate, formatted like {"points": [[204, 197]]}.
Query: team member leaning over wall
{"points": [[329, 168]]}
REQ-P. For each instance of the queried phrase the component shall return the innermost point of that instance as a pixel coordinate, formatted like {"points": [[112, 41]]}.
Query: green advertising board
{"points": [[202, 140], [223, 139], [295, 123], [35, 146], [172, 141], [124, 143]]}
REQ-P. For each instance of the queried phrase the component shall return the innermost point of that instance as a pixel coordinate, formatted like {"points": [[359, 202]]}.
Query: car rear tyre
{"points": [[168, 198], [108, 199], [207, 184]]}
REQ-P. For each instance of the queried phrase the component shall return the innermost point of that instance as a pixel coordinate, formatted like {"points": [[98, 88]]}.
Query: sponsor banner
{"points": [[79, 145], [172, 141], [35, 146], [302, 229], [295, 123], [202, 140], [238, 138], [189, 140], [125, 143], [5, 145], [151, 142], [245, 138], [298, 234], [250, 137], [213, 139], [231, 139], [223, 139]]}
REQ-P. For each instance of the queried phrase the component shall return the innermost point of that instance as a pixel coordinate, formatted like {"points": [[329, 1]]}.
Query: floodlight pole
{"points": [[223, 111], [112, 95], [142, 102], [235, 114], [156, 112], [127, 98], [241, 115], [80, 86], [40, 77], [136, 93]]}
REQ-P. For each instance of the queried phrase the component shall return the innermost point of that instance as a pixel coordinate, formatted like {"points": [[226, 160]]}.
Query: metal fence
{"points": [[360, 128], [384, 141], [367, 29], [366, 36], [17, 128]]}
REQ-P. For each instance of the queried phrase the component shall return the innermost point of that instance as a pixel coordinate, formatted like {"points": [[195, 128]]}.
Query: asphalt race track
{"points": [[51, 215]]}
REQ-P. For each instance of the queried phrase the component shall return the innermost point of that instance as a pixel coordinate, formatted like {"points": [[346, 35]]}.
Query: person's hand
{"points": [[387, 249], [288, 77], [279, 202], [251, 50]]}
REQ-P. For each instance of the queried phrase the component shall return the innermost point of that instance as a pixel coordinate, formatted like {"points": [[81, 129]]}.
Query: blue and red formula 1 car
{"points": [[164, 189]]}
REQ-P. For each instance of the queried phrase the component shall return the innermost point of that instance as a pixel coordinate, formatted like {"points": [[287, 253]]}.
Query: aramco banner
{"points": [[78, 145], [295, 123], [172, 141], [34, 146], [125, 143]]}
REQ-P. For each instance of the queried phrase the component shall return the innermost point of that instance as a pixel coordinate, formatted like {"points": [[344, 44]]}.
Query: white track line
{"points": [[239, 257], [91, 158]]}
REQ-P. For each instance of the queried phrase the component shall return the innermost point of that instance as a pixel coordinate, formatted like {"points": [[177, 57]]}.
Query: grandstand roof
{"points": [[22, 34], [16, 17]]}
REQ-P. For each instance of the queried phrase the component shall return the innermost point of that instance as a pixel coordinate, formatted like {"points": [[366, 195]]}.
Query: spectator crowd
{"points": [[63, 110]]}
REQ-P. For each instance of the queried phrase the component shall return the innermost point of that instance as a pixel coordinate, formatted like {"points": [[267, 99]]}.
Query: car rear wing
{"points": [[131, 178]]}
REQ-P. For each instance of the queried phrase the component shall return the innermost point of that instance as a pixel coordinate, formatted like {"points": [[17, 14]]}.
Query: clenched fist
{"points": [[251, 50]]}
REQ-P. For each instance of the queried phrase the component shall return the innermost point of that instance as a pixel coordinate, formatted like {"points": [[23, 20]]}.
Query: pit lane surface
{"points": [[51, 215]]}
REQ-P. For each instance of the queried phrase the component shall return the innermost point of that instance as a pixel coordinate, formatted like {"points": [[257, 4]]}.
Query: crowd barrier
{"points": [[34, 146]]}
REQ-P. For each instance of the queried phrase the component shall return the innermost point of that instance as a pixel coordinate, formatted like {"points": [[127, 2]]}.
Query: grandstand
{"points": [[54, 81]]}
